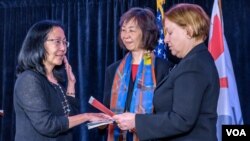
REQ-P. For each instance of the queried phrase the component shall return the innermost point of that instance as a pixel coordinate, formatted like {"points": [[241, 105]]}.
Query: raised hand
{"points": [[70, 76]]}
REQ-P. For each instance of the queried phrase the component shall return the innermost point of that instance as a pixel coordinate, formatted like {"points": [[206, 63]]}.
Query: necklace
{"points": [[65, 103]]}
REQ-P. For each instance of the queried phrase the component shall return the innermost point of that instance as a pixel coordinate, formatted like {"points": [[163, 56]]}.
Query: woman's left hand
{"points": [[125, 121]]}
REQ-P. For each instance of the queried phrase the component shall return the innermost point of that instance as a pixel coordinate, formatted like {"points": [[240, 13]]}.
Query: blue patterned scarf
{"points": [[142, 95]]}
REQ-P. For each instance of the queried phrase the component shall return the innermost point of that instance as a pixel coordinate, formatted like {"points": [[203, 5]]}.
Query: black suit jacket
{"points": [[162, 68], [185, 102]]}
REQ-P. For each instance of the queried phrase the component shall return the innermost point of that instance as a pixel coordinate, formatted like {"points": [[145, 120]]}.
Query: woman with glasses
{"points": [[45, 111]]}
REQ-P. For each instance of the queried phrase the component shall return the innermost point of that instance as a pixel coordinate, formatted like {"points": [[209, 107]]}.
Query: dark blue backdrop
{"points": [[92, 29]]}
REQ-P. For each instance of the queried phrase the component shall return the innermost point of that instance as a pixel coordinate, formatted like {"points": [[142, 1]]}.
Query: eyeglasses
{"points": [[58, 42]]}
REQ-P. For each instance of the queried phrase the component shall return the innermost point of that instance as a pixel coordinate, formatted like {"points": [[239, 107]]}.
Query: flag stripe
{"points": [[224, 82], [216, 44]]}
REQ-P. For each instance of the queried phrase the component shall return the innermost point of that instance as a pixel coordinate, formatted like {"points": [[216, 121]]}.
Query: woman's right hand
{"points": [[93, 117], [71, 78], [70, 74]]}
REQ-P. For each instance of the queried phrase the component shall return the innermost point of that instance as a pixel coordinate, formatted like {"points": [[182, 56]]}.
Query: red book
{"points": [[100, 106]]}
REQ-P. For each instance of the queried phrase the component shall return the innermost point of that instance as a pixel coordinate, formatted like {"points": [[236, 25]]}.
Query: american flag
{"points": [[160, 50]]}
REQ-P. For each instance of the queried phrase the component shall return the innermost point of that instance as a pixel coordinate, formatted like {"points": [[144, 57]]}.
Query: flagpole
{"points": [[160, 49], [159, 5], [220, 8], [220, 4], [160, 8]]}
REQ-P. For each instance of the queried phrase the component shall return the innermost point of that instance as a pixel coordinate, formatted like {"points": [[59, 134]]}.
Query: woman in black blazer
{"points": [[44, 109], [185, 101], [130, 82]]}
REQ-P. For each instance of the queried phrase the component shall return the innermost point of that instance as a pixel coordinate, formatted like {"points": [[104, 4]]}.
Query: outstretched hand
{"points": [[98, 117], [125, 121]]}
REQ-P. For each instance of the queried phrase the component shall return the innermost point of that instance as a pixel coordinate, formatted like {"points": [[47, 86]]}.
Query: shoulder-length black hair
{"points": [[146, 20], [33, 53]]}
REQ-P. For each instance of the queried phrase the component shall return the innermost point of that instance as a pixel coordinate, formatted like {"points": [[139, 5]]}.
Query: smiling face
{"points": [[55, 48], [131, 35], [177, 39]]}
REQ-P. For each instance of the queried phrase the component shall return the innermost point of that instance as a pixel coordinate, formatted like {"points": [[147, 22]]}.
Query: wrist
{"points": [[71, 94], [71, 84]]}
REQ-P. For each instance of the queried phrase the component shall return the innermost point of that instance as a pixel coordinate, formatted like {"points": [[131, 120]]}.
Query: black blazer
{"points": [[39, 110], [185, 102], [162, 68]]}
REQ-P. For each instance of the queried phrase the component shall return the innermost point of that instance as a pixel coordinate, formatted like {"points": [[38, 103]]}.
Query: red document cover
{"points": [[100, 106]]}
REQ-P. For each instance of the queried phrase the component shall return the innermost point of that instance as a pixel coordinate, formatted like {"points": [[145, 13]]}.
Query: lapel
{"points": [[198, 48], [162, 81], [165, 78]]}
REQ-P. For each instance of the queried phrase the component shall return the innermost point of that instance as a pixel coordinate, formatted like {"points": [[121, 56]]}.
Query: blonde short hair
{"points": [[190, 16]]}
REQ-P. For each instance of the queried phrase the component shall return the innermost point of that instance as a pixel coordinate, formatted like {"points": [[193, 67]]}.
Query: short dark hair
{"points": [[33, 53], [145, 19]]}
